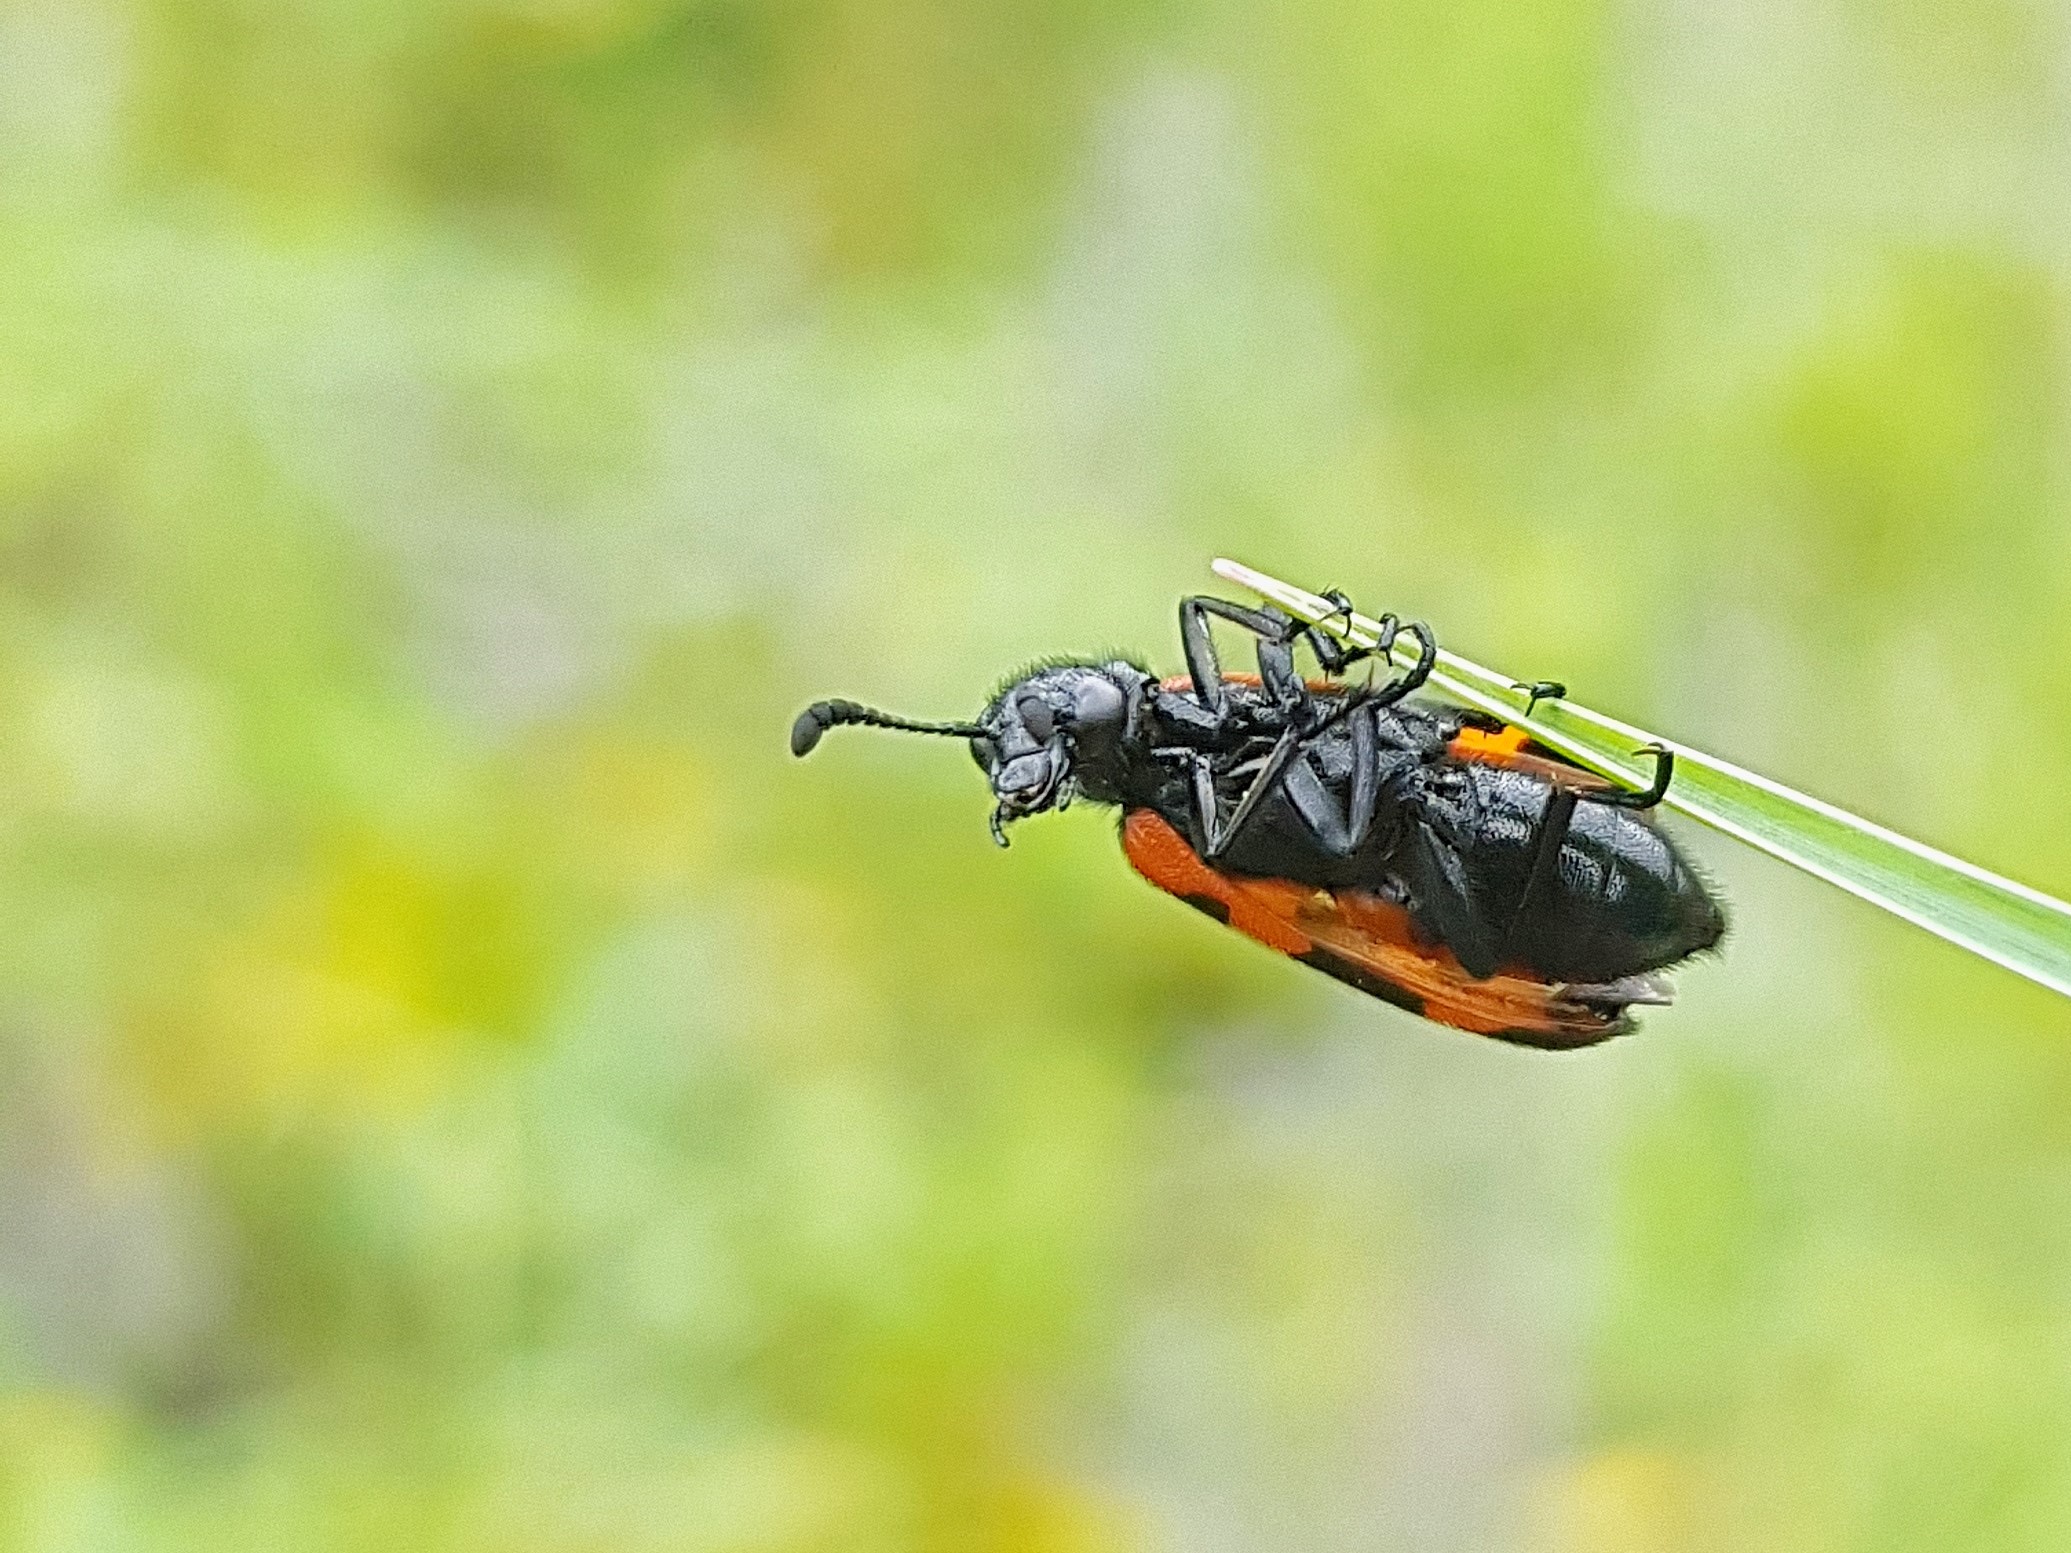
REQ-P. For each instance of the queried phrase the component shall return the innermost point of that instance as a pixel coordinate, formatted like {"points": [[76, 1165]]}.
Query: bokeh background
{"points": [[462, 1086]]}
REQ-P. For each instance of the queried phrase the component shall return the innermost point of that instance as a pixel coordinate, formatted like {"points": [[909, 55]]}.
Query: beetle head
{"points": [[1043, 737], [1051, 731]]}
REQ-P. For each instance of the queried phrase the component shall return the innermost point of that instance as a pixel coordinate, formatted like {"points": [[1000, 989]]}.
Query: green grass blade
{"points": [[2008, 923]]}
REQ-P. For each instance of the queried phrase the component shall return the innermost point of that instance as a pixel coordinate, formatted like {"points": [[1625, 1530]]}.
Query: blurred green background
{"points": [[463, 1086]]}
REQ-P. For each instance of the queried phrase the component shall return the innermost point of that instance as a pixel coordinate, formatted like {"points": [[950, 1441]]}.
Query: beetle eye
{"points": [[1099, 704], [1037, 718]]}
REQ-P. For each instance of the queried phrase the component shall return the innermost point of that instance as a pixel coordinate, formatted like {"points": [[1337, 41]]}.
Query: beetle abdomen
{"points": [[1616, 900], [1625, 901]]}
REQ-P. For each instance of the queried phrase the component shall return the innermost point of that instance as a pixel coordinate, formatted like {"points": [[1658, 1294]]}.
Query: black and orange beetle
{"points": [[1431, 856]]}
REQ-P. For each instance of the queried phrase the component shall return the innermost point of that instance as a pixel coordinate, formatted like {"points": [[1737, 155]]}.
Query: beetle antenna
{"points": [[816, 719]]}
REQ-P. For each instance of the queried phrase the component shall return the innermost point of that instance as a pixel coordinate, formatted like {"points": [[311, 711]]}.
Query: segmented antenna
{"points": [[816, 719]]}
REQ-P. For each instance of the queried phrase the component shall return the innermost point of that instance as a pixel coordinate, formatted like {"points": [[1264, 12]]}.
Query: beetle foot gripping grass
{"points": [[1432, 856]]}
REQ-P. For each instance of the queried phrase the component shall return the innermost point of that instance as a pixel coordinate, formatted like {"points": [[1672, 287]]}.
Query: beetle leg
{"points": [[1268, 778], [1203, 806], [1201, 788], [1185, 712], [1276, 634], [1467, 717], [1337, 656], [1328, 820], [1653, 793], [1343, 828], [1364, 799], [1202, 664], [1552, 835], [1199, 646], [1214, 836], [1441, 895], [1541, 690], [1412, 679], [1559, 814], [1277, 677]]}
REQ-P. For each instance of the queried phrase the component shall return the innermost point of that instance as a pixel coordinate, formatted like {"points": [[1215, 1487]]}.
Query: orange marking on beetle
{"points": [[1354, 933], [1379, 936], [1481, 744], [1162, 856], [1183, 684]]}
